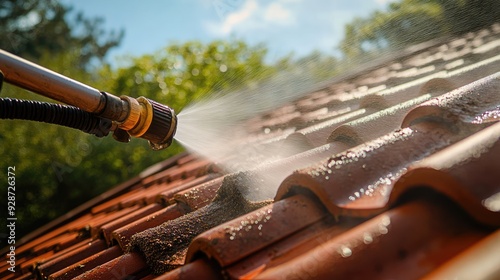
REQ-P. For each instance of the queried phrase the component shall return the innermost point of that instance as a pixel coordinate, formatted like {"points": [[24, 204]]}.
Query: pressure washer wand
{"points": [[137, 117]]}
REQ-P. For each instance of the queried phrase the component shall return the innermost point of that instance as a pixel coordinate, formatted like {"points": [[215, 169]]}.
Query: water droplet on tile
{"points": [[367, 238], [492, 203], [345, 251], [386, 221], [382, 229]]}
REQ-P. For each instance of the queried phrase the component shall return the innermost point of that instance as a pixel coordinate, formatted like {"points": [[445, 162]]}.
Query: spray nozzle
{"points": [[149, 120], [141, 117]]}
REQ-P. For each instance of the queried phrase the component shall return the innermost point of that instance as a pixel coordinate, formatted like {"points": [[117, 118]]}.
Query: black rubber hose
{"points": [[64, 115]]}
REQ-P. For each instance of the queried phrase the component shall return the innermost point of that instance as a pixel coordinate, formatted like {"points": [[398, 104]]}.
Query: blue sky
{"points": [[284, 26]]}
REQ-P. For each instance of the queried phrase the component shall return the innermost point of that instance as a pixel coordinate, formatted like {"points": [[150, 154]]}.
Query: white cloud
{"points": [[286, 26], [239, 17], [255, 15], [275, 12]]}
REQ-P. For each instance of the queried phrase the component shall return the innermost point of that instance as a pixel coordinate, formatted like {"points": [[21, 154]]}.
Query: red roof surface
{"points": [[396, 175]]}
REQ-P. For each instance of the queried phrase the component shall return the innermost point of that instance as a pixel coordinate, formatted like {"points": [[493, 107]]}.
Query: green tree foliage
{"points": [[30, 28], [44, 155], [409, 22], [180, 73]]}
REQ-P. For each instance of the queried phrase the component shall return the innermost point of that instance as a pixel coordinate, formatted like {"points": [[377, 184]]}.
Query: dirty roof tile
{"points": [[167, 195], [164, 246], [198, 196]]}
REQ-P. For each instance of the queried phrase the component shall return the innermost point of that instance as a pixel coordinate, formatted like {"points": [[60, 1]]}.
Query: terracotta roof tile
{"points": [[374, 125], [108, 228], [27, 265], [200, 269], [94, 226], [394, 170], [242, 236], [168, 194], [198, 196], [114, 204], [87, 264], [466, 172], [318, 134], [338, 181], [187, 166], [288, 248], [480, 261], [387, 246], [75, 255], [75, 225], [164, 246], [60, 242], [124, 266], [466, 104], [366, 171], [122, 235]]}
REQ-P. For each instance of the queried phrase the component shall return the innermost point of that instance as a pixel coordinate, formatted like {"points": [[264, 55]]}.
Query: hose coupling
{"points": [[150, 120]]}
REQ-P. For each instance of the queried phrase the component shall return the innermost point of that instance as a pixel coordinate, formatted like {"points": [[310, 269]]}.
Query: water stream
{"points": [[214, 127]]}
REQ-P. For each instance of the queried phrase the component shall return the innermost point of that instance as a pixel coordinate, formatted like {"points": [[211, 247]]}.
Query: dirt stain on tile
{"points": [[165, 246]]}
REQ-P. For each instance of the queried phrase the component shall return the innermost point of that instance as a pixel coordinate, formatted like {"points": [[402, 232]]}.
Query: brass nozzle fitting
{"points": [[150, 120]]}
